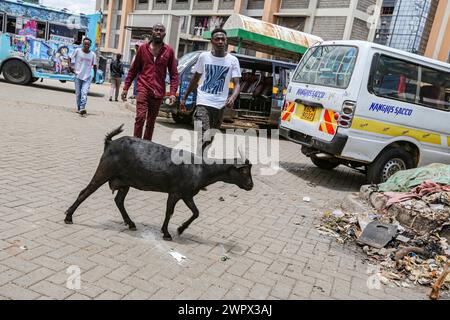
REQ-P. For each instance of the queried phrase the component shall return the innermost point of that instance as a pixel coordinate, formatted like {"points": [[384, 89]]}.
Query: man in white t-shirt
{"points": [[84, 60], [214, 70]]}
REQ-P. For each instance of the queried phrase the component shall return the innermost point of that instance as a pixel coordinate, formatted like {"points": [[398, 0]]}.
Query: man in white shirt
{"points": [[214, 70], [84, 60]]}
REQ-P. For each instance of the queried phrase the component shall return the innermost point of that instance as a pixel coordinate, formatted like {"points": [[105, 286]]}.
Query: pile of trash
{"points": [[403, 225]]}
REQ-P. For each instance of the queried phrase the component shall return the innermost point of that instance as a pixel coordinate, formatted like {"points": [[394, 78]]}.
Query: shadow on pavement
{"points": [[169, 123], [339, 179], [152, 234], [42, 85]]}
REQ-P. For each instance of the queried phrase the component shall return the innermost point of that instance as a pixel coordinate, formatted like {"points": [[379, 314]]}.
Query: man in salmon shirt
{"points": [[151, 62]]}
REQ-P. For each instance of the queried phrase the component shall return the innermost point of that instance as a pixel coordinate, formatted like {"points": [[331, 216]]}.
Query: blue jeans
{"points": [[81, 91]]}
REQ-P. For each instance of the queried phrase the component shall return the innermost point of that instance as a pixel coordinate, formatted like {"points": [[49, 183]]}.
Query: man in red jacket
{"points": [[151, 62]]}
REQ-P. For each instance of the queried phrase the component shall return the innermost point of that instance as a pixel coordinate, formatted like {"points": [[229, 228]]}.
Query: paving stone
{"points": [[49, 155]]}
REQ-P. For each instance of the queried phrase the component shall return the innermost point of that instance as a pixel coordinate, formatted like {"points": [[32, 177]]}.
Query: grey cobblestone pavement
{"points": [[49, 153]]}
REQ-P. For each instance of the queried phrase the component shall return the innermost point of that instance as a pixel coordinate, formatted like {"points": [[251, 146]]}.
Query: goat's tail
{"points": [[113, 133]]}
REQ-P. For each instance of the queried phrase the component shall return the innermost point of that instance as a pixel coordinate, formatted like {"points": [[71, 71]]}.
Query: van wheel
{"points": [[181, 119], [327, 164], [387, 163], [16, 72]]}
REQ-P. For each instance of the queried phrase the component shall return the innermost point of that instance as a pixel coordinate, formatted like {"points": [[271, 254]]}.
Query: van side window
{"points": [[405, 81], [396, 79], [435, 89]]}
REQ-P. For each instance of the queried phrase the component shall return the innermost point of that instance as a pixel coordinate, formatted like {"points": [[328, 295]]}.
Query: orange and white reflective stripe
{"points": [[329, 123], [286, 115]]}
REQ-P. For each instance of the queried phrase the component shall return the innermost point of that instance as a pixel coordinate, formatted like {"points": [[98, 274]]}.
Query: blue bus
{"points": [[36, 41]]}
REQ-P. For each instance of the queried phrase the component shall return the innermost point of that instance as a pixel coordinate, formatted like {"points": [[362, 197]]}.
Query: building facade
{"points": [[406, 24], [438, 46], [328, 19]]}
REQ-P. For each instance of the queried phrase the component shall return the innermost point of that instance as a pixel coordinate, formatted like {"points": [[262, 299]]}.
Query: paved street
{"points": [[49, 154]]}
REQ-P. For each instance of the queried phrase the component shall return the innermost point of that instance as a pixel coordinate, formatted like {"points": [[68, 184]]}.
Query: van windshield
{"points": [[186, 59], [330, 66]]}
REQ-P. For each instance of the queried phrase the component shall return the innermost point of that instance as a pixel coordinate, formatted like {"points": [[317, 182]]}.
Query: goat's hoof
{"points": [[68, 221], [180, 230], [132, 227], [167, 238]]}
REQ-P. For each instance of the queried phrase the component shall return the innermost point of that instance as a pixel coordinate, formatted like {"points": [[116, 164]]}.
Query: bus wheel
{"points": [[387, 163], [327, 164], [16, 72]]}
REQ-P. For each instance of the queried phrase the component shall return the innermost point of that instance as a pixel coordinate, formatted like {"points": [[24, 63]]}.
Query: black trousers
{"points": [[211, 118]]}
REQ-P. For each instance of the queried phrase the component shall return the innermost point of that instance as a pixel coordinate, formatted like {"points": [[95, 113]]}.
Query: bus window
{"points": [[79, 37], [62, 31], [1, 22], [40, 29], [11, 24]]}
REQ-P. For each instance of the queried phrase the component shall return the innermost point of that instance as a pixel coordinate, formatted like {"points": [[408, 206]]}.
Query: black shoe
{"points": [[110, 99], [117, 100], [83, 112]]}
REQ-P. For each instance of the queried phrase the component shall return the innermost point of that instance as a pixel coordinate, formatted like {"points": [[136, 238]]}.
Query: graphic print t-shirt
{"points": [[83, 63], [216, 74]]}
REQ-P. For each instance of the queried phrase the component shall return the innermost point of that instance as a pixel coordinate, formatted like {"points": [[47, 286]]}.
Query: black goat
{"points": [[144, 165]]}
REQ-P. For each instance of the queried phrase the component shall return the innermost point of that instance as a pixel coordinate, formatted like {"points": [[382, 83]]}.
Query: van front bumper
{"points": [[333, 147]]}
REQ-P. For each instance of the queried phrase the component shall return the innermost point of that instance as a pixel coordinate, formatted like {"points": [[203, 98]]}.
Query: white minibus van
{"points": [[370, 107]]}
